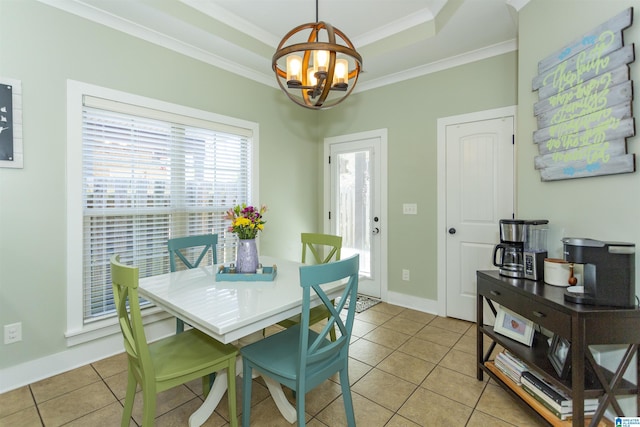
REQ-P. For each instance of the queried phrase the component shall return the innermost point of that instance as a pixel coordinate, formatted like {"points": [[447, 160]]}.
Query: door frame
{"points": [[380, 134], [495, 113]]}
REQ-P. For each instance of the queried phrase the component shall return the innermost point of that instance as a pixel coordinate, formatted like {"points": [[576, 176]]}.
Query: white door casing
{"points": [[476, 176], [369, 229]]}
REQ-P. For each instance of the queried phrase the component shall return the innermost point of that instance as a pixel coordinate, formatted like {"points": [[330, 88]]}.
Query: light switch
{"points": [[410, 209]]}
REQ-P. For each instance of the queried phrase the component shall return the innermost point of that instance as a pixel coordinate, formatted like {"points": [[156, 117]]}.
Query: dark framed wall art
{"points": [[11, 154]]}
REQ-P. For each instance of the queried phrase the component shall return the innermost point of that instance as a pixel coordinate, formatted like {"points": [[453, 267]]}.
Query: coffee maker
{"points": [[510, 248], [608, 275], [522, 248]]}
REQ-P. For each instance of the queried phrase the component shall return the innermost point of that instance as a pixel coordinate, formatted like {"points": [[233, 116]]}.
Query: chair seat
{"points": [[186, 354], [279, 352]]}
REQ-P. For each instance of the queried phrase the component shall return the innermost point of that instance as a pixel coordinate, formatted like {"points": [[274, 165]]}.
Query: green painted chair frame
{"points": [[301, 358], [314, 243], [168, 362], [176, 248]]}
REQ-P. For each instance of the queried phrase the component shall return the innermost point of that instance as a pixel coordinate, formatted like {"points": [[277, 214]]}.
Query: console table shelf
{"points": [[499, 377], [582, 325]]}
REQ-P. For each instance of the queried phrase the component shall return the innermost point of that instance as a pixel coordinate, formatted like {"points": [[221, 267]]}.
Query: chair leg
{"points": [[246, 393], [300, 396], [231, 392], [148, 406], [128, 401], [346, 397]]}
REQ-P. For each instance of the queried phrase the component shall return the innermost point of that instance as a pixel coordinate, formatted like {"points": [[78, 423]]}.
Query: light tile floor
{"points": [[407, 368]]}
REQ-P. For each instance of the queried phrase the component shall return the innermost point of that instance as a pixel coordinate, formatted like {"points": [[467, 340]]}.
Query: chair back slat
{"points": [[317, 244], [124, 280], [191, 250], [322, 349]]}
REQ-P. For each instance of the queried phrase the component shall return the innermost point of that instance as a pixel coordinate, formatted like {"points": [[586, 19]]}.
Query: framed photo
{"points": [[560, 355], [513, 326]]}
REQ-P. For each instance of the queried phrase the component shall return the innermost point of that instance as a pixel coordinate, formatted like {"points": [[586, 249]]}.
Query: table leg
{"points": [[202, 414], [275, 388]]}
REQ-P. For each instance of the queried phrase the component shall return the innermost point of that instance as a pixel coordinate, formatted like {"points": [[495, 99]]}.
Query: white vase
{"points": [[247, 256]]}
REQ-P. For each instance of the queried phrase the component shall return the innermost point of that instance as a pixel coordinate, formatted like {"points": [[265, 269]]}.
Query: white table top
{"points": [[228, 311]]}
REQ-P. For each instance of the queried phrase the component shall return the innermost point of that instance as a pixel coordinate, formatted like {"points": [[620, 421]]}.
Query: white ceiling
{"points": [[398, 39]]}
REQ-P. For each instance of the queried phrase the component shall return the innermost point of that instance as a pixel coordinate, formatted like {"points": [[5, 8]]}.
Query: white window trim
{"points": [[77, 332]]}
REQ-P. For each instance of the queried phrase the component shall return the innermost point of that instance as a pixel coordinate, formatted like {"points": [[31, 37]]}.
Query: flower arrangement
{"points": [[246, 221]]}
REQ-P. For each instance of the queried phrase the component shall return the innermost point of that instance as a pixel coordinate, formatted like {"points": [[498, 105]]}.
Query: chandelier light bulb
{"points": [[294, 69], [311, 77], [340, 73], [321, 61]]}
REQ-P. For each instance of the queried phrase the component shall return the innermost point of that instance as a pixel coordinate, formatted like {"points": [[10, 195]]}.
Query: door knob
{"points": [[452, 230], [376, 230]]}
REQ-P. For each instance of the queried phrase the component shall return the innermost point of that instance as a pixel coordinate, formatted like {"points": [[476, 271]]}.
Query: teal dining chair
{"points": [[190, 251], [301, 358], [323, 248], [168, 362]]}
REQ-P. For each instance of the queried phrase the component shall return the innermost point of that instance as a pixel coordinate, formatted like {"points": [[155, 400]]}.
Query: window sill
{"points": [[107, 327]]}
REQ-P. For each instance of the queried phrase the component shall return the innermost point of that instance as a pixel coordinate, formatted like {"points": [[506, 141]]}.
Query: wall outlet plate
{"points": [[12, 333]]}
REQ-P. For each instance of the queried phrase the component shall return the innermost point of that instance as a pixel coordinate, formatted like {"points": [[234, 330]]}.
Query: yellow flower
{"points": [[241, 222]]}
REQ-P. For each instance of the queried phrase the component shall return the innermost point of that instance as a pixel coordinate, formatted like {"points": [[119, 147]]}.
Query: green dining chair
{"points": [[168, 362], [317, 245], [191, 250], [301, 358]]}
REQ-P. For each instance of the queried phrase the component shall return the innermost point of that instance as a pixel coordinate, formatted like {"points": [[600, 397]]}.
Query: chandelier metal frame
{"points": [[304, 92]]}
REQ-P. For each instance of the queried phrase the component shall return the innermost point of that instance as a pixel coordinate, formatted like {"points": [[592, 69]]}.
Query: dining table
{"points": [[231, 311]]}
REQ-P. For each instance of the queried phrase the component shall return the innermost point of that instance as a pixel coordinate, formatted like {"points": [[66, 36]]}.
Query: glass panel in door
{"points": [[353, 206]]}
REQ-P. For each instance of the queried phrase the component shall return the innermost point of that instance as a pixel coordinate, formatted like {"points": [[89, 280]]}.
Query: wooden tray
{"points": [[268, 274]]}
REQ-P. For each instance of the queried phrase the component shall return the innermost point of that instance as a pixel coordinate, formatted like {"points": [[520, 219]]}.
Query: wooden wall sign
{"points": [[584, 110]]}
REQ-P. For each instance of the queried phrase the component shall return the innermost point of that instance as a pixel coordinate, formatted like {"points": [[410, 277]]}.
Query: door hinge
{"points": [[329, 159], [329, 215], [513, 139]]}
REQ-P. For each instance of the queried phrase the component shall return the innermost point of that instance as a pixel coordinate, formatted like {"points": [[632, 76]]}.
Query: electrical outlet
{"points": [[410, 209], [405, 275], [12, 333]]}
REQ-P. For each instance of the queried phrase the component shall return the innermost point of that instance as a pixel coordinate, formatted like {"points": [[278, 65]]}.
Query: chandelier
{"points": [[319, 73]]}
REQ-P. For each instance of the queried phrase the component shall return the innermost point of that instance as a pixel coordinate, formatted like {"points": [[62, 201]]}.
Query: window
{"points": [[151, 171]]}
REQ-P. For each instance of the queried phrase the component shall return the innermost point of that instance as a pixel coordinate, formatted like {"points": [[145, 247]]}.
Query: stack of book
{"points": [[552, 398], [511, 366]]}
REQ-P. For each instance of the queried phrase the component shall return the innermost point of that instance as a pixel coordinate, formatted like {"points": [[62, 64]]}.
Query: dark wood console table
{"points": [[582, 325]]}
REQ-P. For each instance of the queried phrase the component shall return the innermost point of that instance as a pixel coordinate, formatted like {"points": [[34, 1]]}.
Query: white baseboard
{"points": [[408, 301], [74, 357]]}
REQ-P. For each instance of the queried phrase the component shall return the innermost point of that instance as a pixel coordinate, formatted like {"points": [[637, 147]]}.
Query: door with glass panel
{"points": [[356, 204]]}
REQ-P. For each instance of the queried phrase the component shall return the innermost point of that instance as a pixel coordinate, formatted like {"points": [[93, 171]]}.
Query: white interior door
{"points": [[479, 192], [357, 203]]}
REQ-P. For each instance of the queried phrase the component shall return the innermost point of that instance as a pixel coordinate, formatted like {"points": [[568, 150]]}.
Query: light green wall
{"points": [[410, 110], [605, 208], [43, 47]]}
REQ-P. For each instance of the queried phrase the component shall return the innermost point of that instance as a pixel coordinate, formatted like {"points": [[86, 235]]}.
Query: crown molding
{"points": [[455, 61], [91, 13], [220, 14], [84, 10]]}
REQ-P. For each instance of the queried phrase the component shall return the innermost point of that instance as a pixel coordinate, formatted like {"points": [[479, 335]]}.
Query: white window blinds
{"points": [[148, 176]]}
